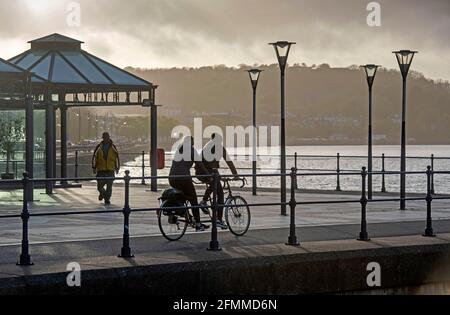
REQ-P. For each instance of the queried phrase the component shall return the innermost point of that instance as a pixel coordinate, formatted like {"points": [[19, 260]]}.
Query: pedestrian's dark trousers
{"points": [[220, 198], [101, 183], [187, 187]]}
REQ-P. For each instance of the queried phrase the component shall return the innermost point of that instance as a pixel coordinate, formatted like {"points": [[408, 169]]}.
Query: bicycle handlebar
{"points": [[226, 180], [243, 180]]}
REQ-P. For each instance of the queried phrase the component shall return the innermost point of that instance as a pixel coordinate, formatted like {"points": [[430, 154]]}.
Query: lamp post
{"points": [[89, 125], [79, 125], [96, 126], [254, 78], [282, 50], [371, 71], [404, 58]]}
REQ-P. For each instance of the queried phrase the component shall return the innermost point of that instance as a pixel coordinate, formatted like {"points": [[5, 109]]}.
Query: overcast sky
{"points": [[176, 33]]}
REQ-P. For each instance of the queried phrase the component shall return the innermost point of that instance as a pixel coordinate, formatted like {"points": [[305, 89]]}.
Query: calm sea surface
{"points": [[311, 158]]}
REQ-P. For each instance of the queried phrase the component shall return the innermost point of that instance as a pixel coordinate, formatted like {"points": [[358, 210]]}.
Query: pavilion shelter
{"points": [[16, 90], [72, 77]]}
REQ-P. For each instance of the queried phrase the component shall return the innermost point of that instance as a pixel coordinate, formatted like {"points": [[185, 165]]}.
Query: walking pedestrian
{"points": [[105, 164]]}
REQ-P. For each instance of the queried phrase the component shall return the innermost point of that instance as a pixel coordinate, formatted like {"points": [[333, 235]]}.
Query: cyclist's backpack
{"points": [[173, 198]]}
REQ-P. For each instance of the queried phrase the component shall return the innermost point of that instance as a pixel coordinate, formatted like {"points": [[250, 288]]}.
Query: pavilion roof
{"points": [[8, 69], [65, 66]]}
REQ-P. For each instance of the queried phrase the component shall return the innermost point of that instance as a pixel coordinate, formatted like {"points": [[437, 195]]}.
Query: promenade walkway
{"points": [[110, 225], [329, 260], [94, 240]]}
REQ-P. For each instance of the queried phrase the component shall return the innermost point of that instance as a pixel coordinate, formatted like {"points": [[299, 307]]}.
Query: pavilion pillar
{"points": [[49, 141], [54, 161], [154, 146], [29, 132], [63, 113]]}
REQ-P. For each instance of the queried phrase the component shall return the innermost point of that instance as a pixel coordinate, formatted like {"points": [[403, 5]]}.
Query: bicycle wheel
{"points": [[237, 215], [173, 227]]}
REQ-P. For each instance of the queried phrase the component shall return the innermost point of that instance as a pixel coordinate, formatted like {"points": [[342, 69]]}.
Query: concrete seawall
{"points": [[315, 268]]}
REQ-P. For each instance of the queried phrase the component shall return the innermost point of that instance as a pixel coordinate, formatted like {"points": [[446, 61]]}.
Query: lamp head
{"points": [[282, 49], [254, 76], [371, 71], [405, 58]]}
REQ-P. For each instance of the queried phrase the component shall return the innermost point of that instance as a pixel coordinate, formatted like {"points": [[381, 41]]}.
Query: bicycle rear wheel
{"points": [[237, 215], [173, 227]]}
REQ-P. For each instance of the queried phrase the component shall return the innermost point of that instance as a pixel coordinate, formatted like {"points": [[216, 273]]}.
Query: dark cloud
{"points": [[196, 32]]}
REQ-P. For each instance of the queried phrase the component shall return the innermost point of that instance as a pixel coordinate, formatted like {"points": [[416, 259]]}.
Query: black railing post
{"points": [[432, 174], [25, 259], [143, 168], [338, 171], [126, 250], [292, 240], [429, 199], [383, 175], [214, 243], [363, 235], [296, 168], [76, 166]]}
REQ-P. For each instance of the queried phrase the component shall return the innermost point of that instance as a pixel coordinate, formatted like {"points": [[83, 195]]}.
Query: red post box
{"points": [[161, 159]]}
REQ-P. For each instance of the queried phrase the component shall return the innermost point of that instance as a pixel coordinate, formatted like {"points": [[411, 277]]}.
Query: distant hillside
{"points": [[324, 105]]}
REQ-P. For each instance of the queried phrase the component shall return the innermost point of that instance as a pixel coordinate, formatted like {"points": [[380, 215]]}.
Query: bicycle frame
{"points": [[227, 190]]}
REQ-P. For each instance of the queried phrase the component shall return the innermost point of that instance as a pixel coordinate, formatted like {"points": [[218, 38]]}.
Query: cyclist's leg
{"points": [[191, 194], [207, 193], [187, 187]]}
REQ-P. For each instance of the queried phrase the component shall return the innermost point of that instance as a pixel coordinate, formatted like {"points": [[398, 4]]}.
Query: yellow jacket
{"points": [[110, 163]]}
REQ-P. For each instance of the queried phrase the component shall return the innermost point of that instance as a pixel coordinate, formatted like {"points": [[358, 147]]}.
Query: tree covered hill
{"points": [[324, 105]]}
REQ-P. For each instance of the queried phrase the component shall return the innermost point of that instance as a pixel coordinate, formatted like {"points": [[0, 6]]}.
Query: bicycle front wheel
{"points": [[237, 215], [173, 227]]}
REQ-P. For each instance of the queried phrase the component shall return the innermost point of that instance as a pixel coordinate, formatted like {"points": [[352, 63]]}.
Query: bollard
{"points": [[25, 259], [214, 244], [76, 166], [126, 250], [143, 168], [338, 171], [363, 236], [292, 240], [383, 175], [429, 199], [432, 175]]}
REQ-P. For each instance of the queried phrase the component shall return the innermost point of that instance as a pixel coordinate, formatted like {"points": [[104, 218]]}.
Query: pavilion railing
{"points": [[128, 210]]}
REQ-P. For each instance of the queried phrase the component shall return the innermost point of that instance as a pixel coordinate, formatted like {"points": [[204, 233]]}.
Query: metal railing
{"points": [[126, 252], [296, 159]]}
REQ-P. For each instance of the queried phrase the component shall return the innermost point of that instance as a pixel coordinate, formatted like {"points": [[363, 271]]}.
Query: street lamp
{"points": [[254, 78], [404, 58], [282, 50], [371, 71]]}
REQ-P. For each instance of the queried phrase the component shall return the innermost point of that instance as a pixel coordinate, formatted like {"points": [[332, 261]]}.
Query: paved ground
{"points": [[94, 255], [110, 225], [198, 242]]}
